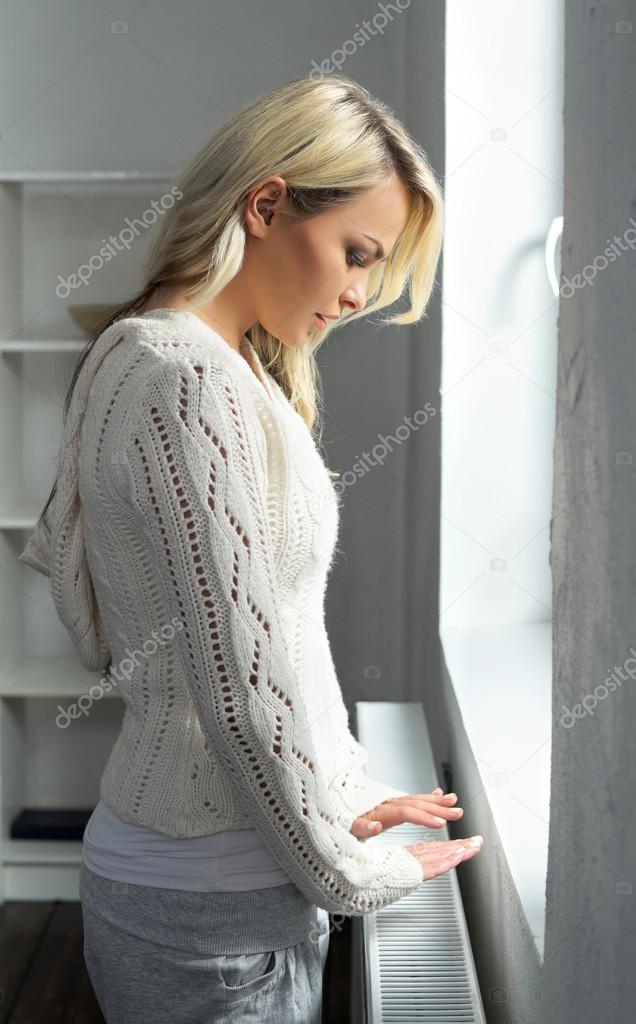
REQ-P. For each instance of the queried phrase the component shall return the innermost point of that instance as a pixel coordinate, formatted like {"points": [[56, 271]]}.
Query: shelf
{"points": [[21, 516], [52, 345], [53, 678], [56, 729], [42, 177], [41, 851]]}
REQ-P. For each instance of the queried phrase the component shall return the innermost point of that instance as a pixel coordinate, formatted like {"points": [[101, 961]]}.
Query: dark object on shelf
{"points": [[88, 317], [50, 823]]}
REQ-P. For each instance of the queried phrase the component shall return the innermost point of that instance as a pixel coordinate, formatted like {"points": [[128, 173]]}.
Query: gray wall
{"points": [[141, 88], [591, 925], [382, 606]]}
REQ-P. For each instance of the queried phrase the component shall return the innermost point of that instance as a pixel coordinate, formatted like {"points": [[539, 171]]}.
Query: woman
{"points": [[198, 511]]}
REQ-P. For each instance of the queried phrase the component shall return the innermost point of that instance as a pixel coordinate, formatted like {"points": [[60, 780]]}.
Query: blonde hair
{"points": [[329, 140]]}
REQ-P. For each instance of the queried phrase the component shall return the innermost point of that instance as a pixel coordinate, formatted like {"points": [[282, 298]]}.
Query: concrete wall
{"points": [[591, 924]]}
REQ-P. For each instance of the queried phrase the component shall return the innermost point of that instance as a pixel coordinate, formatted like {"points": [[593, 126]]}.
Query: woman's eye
{"points": [[357, 259]]}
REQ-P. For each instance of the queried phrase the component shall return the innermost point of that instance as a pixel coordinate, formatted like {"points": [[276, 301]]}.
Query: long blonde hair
{"points": [[330, 140]]}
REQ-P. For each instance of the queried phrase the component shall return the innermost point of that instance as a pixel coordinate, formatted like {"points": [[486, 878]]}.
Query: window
{"points": [[503, 158]]}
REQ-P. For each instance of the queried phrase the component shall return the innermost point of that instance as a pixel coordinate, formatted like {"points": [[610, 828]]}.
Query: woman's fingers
{"points": [[438, 795], [431, 810], [423, 812], [433, 803], [471, 851], [428, 801], [437, 858], [444, 814], [432, 870], [365, 826]]}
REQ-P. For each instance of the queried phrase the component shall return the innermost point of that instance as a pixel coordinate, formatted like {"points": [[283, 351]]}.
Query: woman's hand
{"points": [[432, 810], [437, 858]]}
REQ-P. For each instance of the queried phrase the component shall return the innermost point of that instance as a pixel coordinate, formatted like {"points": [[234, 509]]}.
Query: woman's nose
{"points": [[355, 297]]}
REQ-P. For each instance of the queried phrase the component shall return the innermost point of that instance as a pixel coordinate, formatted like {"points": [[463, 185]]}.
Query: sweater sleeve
{"points": [[356, 792], [195, 454]]}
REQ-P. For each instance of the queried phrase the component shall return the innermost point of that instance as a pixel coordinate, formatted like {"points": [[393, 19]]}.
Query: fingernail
{"points": [[373, 826], [438, 821], [476, 840]]}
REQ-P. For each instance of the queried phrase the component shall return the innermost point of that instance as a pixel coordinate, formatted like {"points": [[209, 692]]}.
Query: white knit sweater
{"points": [[210, 523]]}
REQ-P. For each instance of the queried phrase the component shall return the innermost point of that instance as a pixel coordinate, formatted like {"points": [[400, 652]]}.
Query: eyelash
{"points": [[356, 262]]}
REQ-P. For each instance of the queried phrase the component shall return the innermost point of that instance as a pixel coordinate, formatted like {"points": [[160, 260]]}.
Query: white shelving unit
{"points": [[51, 223]]}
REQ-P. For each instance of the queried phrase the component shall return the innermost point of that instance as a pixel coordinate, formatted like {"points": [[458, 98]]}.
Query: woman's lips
{"points": [[320, 320]]}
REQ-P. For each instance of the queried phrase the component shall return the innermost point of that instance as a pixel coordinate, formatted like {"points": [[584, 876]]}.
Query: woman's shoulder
{"points": [[165, 342], [173, 336]]}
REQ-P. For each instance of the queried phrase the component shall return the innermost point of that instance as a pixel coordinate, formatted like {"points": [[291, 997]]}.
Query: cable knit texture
{"points": [[209, 522]]}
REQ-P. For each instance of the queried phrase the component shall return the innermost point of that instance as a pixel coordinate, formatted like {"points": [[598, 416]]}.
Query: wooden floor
{"points": [[43, 978]]}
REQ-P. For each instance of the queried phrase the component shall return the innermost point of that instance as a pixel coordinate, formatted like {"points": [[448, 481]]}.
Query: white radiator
{"points": [[412, 960]]}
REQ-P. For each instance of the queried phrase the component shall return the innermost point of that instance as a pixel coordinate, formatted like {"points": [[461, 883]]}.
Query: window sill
{"points": [[502, 677]]}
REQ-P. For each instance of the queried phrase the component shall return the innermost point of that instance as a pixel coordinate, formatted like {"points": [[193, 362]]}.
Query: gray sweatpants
{"points": [[154, 956]]}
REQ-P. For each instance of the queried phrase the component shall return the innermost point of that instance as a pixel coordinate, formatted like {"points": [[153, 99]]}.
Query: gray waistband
{"points": [[202, 923]]}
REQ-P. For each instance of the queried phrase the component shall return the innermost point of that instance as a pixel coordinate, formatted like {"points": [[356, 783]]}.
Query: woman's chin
{"points": [[297, 340]]}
